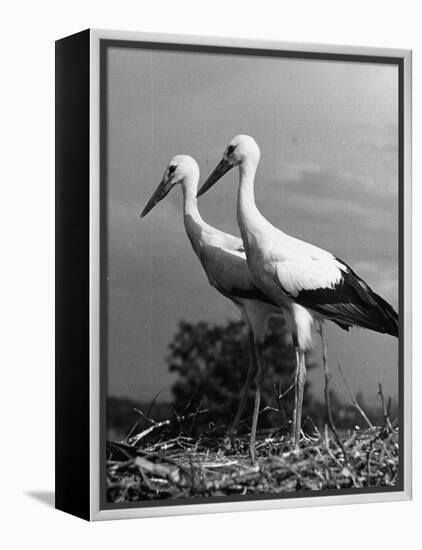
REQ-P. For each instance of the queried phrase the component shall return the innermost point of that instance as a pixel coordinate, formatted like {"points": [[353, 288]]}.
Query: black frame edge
{"points": [[72, 411]]}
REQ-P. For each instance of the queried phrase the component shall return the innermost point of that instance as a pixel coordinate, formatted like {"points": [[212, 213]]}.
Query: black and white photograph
{"points": [[210, 277], [252, 274]]}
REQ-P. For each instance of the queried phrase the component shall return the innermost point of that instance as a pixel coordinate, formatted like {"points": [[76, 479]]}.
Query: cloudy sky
{"points": [[328, 174]]}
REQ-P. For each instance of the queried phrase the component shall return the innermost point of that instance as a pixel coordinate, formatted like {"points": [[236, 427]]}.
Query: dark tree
{"points": [[211, 362]]}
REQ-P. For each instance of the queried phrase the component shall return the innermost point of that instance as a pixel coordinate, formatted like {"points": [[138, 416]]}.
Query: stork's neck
{"points": [[190, 202], [251, 221], [194, 224]]}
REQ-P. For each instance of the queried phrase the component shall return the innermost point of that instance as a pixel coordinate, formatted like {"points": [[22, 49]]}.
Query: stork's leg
{"points": [[300, 378], [251, 370], [259, 378]]}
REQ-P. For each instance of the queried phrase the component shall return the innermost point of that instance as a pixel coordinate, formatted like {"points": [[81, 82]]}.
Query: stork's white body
{"points": [[303, 279], [223, 259]]}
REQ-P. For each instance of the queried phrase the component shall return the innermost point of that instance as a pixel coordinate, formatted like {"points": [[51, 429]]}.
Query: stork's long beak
{"points": [[158, 195], [218, 172]]}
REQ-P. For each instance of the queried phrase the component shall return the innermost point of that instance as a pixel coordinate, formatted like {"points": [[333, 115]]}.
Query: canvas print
{"points": [[250, 275]]}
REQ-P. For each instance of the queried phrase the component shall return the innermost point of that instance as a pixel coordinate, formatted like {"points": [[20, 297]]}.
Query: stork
{"points": [[306, 281], [223, 259]]}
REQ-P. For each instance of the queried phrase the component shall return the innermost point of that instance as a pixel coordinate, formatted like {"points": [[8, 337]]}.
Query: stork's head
{"points": [[240, 150], [181, 169]]}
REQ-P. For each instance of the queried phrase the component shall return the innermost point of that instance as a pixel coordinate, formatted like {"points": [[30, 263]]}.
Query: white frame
{"points": [[141, 512]]}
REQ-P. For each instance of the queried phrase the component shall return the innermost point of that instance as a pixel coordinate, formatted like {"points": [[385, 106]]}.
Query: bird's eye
{"points": [[230, 149], [172, 169]]}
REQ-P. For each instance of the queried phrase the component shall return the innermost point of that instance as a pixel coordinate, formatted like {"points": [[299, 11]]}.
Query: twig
{"points": [[189, 403], [151, 406], [269, 408], [144, 416], [219, 464], [339, 390], [194, 420], [387, 420], [327, 394], [362, 412], [280, 396], [130, 432], [355, 402], [171, 474], [314, 426], [135, 439]]}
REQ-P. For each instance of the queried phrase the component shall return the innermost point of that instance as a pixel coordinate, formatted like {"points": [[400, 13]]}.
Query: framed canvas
{"points": [[233, 299]]}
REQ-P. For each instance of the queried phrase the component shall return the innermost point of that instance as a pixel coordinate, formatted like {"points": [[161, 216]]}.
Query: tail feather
{"points": [[380, 312], [390, 318], [351, 302]]}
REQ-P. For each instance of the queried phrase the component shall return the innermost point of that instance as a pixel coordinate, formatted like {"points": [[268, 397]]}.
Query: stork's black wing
{"points": [[351, 302]]}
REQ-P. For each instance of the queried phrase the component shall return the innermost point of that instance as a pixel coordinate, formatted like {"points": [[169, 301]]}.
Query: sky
{"points": [[328, 133]]}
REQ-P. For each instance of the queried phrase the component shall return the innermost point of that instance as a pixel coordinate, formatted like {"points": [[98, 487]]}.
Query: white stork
{"points": [[224, 261], [306, 281]]}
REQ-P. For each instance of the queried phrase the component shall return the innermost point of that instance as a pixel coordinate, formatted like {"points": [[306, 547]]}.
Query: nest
{"points": [[184, 467]]}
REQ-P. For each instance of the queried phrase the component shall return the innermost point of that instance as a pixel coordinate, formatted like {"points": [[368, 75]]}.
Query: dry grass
{"points": [[179, 467]]}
